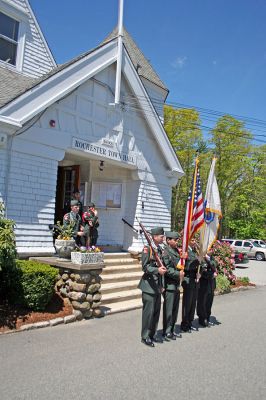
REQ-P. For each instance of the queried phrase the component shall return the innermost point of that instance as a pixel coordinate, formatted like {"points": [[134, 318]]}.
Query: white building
{"points": [[59, 129]]}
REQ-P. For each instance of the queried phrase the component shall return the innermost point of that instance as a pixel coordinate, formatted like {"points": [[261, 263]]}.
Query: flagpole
{"points": [[193, 193], [119, 52], [188, 218]]}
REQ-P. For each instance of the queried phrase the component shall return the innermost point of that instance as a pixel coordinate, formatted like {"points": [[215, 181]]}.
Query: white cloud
{"points": [[179, 62]]}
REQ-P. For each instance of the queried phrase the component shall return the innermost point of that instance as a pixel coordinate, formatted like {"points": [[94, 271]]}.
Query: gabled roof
{"points": [[13, 84], [140, 62], [63, 80]]}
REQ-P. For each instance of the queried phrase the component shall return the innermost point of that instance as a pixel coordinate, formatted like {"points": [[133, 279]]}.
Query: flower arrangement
{"points": [[92, 249], [90, 255]]}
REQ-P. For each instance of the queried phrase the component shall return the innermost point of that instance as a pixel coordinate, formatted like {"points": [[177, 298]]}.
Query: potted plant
{"points": [[92, 255], [64, 243]]}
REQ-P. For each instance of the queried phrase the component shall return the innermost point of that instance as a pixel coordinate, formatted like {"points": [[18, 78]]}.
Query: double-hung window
{"points": [[8, 39]]}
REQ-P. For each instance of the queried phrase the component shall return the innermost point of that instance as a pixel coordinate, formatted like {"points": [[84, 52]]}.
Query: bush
{"points": [[244, 280], [32, 284], [7, 251], [223, 254], [222, 284]]}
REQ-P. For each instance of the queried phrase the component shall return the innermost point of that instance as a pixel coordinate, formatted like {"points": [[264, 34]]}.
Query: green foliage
{"points": [[244, 280], [65, 232], [182, 128], [240, 170], [7, 250], [7, 241], [222, 284], [32, 284]]}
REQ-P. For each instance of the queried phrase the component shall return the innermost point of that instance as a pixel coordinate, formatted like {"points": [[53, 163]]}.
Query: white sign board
{"points": [[87, 147]]}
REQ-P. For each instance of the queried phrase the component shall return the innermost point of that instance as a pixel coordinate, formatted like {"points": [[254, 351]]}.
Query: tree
{"points": [[232, 146], [183, 129], [248, 208]]}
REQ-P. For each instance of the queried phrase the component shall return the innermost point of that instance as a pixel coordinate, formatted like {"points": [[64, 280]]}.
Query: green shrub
{"points": [[32, 284], [244, 280], [7, 251], [223, 254], [222, 284]]}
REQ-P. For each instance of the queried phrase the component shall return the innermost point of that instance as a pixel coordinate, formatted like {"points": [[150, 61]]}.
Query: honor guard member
{"points": [[172, 279], [207, 285], [74, 217], [91, 223], [190, 289], [76, 196], [151, 287]]}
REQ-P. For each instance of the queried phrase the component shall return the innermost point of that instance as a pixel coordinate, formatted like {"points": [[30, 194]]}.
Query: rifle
{"points": [[154, 251]]}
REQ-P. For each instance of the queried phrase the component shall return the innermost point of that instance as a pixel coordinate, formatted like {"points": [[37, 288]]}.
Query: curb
{"points": [[44, 324], [233, 290]]}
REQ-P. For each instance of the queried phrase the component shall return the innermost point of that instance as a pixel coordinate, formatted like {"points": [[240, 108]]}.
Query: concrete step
{"points": [[110, 249], [118, 286], [120, 261], [121, 269], [122, 277], [109, 256], [122, 306], [119, 296]]}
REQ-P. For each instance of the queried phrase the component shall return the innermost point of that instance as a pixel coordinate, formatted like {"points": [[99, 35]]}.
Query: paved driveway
{"points": [[104, 359], [255, 270]]}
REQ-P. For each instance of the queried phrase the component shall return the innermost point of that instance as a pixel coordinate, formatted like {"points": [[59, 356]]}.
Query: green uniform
{"points": [[171, 293], [190, 288], [151, 287], [207, 285]]}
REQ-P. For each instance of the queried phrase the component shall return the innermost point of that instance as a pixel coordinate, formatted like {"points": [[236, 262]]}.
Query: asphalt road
{"points": [[104, 359], [255, 270]]}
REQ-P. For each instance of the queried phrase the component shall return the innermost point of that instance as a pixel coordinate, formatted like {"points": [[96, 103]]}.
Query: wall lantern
{"points": [[52, 123]]}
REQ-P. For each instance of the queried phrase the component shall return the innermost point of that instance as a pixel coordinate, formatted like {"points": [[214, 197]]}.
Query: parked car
{"points": [[253, 250], [240, 257], [262, 243]]}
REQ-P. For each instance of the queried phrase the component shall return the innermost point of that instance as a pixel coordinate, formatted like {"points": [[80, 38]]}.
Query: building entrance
{"points": [[68, 179]]}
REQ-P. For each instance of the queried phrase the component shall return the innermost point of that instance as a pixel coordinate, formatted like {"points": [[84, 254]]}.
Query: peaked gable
{"points": [[140, 62]]}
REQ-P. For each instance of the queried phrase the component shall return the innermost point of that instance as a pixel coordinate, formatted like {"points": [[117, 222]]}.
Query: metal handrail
{"points": [[131, 226]]}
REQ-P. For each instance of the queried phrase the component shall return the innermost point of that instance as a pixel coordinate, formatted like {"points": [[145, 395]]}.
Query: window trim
{"points": [[21, 16]]}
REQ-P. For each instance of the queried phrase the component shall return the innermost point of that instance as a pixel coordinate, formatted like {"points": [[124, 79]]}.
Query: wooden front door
{"points": [[68, 179]]}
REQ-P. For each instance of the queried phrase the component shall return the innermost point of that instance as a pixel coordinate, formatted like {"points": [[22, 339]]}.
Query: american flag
{"points": [[194, 211]]}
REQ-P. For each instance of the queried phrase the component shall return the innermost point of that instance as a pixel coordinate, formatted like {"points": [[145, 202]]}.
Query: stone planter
{"points": [[86, 258], [64, 248]]}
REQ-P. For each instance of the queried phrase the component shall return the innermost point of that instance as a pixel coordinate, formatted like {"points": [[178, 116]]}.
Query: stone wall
{"points": [[83, 289]]}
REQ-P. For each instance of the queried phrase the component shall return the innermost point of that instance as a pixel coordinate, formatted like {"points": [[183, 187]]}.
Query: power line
{"points": [[248, 120], [196, 125]]}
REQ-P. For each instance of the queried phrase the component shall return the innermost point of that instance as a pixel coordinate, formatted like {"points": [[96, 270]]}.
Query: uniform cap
{"points": [[91, 205], [171, 235], [157, 231], [74, 203]]}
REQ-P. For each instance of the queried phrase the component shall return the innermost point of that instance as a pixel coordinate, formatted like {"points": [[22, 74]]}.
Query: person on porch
{"points": [[78, 230], [91, 223]]}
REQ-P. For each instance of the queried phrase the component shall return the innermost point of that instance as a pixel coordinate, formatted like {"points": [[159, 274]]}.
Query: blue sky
{"points": [[209, 53]]}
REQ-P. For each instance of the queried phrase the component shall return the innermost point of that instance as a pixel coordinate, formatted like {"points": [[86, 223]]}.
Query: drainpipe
{"points": [[119, 52]]}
